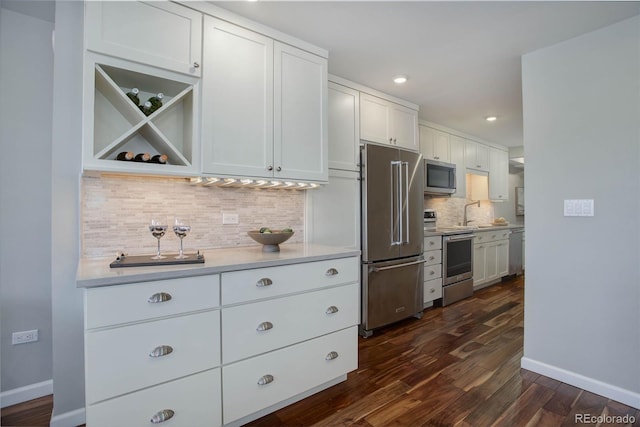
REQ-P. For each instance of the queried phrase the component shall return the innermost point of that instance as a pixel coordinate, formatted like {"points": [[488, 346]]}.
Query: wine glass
{"points": [[181, 227], [158, 228]]}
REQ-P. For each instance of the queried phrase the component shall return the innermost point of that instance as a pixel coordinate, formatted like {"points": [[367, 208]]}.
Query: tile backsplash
{"points": [[450, 211], [116, 211]]}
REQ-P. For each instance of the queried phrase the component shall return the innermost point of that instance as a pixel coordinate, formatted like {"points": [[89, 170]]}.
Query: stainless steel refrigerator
{"points": [[392, 235]]}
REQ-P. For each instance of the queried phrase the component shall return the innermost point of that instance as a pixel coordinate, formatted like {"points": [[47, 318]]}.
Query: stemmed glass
{"points": [[158, 228], [181, 227]]}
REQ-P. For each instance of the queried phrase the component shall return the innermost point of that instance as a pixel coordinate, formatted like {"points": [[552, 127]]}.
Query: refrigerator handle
{"points": [[396, 206], [406, 195], [400, 200]]}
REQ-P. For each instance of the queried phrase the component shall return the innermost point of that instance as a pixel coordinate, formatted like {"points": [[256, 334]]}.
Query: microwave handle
{"points": [[455, 183]]}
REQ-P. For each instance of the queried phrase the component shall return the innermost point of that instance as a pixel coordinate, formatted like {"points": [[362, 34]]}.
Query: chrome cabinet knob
{"points": [[331, 310], [265, 379], [331, 355], [269, 168], [331, 272], [264, 282], [264, 326], [432, 290], [162, 416], [431, 258], [431, 273], [159, 297], [196, 65], [278, 168], [161, 351], [436, 157]]}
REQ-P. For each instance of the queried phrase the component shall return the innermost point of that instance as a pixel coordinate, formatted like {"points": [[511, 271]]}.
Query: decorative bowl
{"points": [[270, 241]]}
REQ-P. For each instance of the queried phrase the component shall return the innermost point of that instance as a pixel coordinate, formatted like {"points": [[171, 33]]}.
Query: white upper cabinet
{"points": [[498, 174], [264, 106], [386, 122], [476, 156], [344, 129], [160, 34], [300, 116], [456, 150], [434, 144], [237, 102]]}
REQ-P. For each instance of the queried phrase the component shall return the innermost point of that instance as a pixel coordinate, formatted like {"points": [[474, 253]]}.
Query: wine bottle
{"points": [[159, 158], [133, 95], [142, 157], [146, 108], [125, 156], [156, 101]]}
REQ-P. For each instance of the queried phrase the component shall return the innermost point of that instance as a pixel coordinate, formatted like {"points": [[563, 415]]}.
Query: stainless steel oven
{"points": [[457, 267]]}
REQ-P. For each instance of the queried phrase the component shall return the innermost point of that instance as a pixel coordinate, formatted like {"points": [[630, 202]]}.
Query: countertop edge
{"points": [[95, 272]]}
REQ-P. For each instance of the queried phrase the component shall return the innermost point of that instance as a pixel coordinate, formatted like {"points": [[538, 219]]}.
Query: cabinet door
{"points": [[344, 127], [498, 174], [374, 119], [476, 155], [491, 261], [300, 116], [161, 34], [237, 104], [404, 126], [456, 150], [333, 211], [434, 144], [479, 261], [502, 251]]}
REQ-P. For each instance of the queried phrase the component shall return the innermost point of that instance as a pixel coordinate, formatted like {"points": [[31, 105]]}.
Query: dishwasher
{"points": [[515, 251]]}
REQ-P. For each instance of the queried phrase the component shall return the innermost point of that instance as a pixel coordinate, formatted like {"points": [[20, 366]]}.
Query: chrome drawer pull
{"points": [[431, 258], [332, 355], [161, 351], [331, 272], [265, 281], [159, 297], [265, 379], [331, 310], [264, 326], [162, 416], [432, 290]]}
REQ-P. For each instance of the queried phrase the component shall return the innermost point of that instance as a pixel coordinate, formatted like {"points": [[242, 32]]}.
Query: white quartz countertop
{"points": [[93, 272], [451, 230]]}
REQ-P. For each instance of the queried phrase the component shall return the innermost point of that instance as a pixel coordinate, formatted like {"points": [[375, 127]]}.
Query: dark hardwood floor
{"points": [[457, 366]]}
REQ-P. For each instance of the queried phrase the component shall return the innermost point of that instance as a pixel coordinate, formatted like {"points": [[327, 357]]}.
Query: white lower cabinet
{"points": [[195, 350], [432, 289], [254, 384], [193, 401], [432, 268], [490, 256]]}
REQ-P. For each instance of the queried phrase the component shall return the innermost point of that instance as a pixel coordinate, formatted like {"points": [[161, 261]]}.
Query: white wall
{"points": [[67, 300], [581, 103], [26, 87]]}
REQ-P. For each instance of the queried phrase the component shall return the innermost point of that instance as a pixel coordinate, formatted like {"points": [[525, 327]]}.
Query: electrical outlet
{"points": [[24, 337], [230, 218]]}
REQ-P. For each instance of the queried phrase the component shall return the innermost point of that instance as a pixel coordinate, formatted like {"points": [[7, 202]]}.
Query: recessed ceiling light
{"points": [[400, 79], [491, 118]]}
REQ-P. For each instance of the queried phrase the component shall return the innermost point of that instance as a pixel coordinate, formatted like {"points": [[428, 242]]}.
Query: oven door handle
{"points": [[460, 237], [391, 267]]}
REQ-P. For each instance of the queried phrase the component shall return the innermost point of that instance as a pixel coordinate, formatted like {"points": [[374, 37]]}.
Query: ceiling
{"points": [[462, 58]]}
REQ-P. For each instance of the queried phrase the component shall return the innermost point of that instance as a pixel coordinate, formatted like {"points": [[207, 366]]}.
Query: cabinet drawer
{"points": [[491, 236], [432, 242], [292, 370], [433, 257], [432, 272], [256, 328], [195, 401], [111, 305], [249, 285], [432, 290], [119, 360]]}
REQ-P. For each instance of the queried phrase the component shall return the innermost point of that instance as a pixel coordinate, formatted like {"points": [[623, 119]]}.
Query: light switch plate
{"points": [[578, 207], [230, 218]]}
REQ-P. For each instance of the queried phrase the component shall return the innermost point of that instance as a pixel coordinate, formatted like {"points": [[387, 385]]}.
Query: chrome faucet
{"points": [[465, 221]]}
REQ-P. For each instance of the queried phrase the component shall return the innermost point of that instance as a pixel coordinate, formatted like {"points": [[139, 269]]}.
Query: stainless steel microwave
{"points": [[439, 177]]}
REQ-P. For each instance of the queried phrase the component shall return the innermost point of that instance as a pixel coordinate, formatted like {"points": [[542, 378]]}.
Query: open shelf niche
{"points": [[120, 125]]}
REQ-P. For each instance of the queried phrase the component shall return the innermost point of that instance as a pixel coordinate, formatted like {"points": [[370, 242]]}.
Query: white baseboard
{"points": [[23, 394], [69, 419], [613, 392]]}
